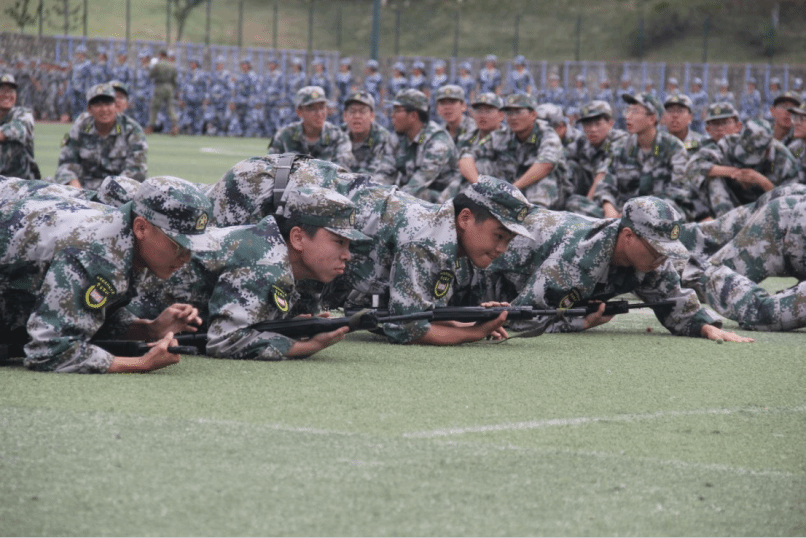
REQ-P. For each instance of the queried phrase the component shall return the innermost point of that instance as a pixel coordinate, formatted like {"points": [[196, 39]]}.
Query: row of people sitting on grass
{"points": [[591, 170], [286, 235]]}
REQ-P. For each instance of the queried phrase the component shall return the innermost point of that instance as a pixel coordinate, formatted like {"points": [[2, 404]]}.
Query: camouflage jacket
{"points": [[247, 281], [17, 149], [426, 166], [89, 157], [587, 161], [466, 126], [413, 256], [65, 269], [19, 189], [164, 73], [245, 195], [375, 155], [798, 150], [333, 144], [659, 172], [567, 262]]}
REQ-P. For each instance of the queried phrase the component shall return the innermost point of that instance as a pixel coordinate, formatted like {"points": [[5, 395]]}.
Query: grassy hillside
{"points": [[609, 30]]}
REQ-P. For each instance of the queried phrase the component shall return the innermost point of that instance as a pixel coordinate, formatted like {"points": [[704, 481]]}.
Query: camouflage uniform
{"points": [[66, 269], [245, 194], [426, 166], [164, 75], [753, 148], [520, 81], [333, 144], [414, 253], [466, 81], [699, 101], [750, 105], [17, 149], [555, 96], [89, 157], [375, 155], [14, 189], [489, 78], [567, 262], [79, 84]]}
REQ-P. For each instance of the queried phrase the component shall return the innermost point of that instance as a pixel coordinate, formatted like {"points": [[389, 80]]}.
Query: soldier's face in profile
{"points": [[639, 119], [8, 98], [482, 242], [799, 121], [451, 110], [325, 255], [121, 101], [596, 129], [781, 114], [313, 115], [156, 251]]}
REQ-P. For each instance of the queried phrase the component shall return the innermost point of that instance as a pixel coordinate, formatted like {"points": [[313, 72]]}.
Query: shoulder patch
{"points": [[65, 139], [443, 284], [97, 294], [573, 297], [280, 298]]}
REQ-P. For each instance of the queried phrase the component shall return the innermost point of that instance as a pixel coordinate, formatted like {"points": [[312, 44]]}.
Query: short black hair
{"points": [[285, 224], [480, 213], [421, 114]]}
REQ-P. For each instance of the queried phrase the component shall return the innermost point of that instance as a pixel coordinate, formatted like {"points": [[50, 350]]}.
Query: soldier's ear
{"points": [[464, 219], [140, 227]]}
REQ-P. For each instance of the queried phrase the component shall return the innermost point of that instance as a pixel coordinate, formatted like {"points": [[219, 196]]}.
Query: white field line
{"points": [[581, 421], [218, 151]]}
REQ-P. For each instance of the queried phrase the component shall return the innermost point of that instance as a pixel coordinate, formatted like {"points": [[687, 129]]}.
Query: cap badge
{"points": [[522, 214], [675, 233], [314, 95], [443, 285], [352, 218], [201, 222]]}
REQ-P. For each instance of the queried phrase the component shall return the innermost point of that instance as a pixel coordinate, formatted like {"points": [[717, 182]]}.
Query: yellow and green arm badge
{"points": [[97, 294], [443, 285]]}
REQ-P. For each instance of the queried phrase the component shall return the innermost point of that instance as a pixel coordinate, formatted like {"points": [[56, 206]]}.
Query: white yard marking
{"points": [[579, 421]]}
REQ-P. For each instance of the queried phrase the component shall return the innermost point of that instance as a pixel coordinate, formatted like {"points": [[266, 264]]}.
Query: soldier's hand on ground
{"points": [[177, 318], [715, 333], [596, 319], [156, 358], [494, 328], [309, 346]]}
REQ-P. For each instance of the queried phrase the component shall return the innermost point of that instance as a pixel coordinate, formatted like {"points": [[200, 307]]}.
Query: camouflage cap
{"points": [[346, 61], [400, 66], [656, 221], [491, 58], [309, 95], [751, 80], [594, 109], [519, 60], [752, 144], [372, 64], [103, 91], [519, 100], [178, 208], [775, 80], [800, 109], [679, 99], [489, 99], [8, 79], [439, 64], [411, 98], [418, 64], [324, 208], [672, 81], [787, 96], [551, 113], [360, 96], [450, 91], [697, 81], [117, 190], [718, 111], [81, 49], [466, 66], [118, 85], [505, 201], [647, 100], [797, 84]]}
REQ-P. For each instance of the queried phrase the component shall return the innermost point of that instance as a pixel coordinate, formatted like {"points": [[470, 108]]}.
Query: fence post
{"points": [[376, 29], [579, 36], [310, 28], [168, 23], [274, 28], [705, 29], [240, 24], [207, 23], [397, 32], [84, 20], [338, 28], [516, 37], [456, 35]]}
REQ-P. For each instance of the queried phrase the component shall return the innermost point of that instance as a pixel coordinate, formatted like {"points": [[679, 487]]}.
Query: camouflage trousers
{"points": [[738, 298], [583, 205], [163, 97]]}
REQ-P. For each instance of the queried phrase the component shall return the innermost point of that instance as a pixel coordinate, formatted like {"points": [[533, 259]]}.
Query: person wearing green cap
{"points": [[372, 145], [255, 276], [67, 268], [451, 108], [16, 134], [421, 253], [313, 135], [649, 162], [475, 147], [570, 260], [425, 155], [165, 76], [798, 145], [102, 143]]}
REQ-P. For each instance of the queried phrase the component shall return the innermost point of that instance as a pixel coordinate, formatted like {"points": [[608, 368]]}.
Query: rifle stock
{"points": [[623, 307]]}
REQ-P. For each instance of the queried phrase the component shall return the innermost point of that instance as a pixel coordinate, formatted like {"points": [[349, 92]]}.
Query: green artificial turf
{"points": [[616, 431]]}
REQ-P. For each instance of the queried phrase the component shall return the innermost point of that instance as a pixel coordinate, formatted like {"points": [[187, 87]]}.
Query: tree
{"points": [[19, 13], [70, 16], [183, 9]]}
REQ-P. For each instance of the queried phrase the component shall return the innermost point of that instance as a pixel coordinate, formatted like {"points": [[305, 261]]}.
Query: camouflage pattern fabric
{"points": [[90, 157], [567, 262], [489, 79], [65, 268], [798, 150], [248, 280], [426, 166], [14, 189], [659, 172], [17, 149], [245, 194], [164, 75], [587, 161], [375, 155], [333, 144]]}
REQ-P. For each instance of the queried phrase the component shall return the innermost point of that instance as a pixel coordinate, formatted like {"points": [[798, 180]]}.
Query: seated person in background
{"points": [[254, 276], [475, 148], [678, 117], [648, 162], [102, 143], [67, 268], [588, 156], [740, 168], [781, 120], [372, 145], [425, 155], [570, 260], [798, 145], [16, 134], [313, 135], [451, 108]]}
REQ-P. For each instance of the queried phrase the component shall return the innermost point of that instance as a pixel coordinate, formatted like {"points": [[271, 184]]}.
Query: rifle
{"points": [[135, 348], [623, 307], [472, 314]]}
